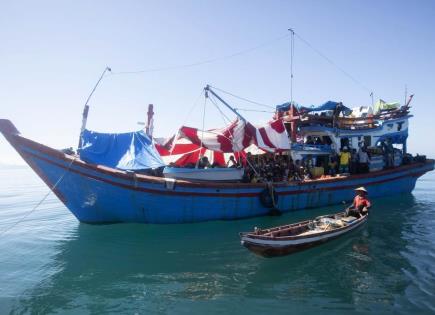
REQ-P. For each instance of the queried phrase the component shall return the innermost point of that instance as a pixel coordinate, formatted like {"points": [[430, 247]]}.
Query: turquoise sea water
{"points": [[50, 263]]}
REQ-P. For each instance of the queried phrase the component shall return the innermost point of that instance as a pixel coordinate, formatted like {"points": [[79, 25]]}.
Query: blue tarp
{"points": [[285, 107], [126, 151], [329, 105]]}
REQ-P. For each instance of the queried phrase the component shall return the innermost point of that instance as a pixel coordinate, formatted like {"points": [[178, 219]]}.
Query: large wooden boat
{"points": [[100, 194], [287, 239]]}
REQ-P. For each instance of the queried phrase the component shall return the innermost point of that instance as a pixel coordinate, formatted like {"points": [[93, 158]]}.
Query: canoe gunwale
{"points": [[344, 229]]}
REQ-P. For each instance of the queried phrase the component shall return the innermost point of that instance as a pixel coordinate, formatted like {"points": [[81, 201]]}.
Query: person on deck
{"points": [[309, 140], [360, 205], [299, 171], [353, 168], [344, 160], [204, 163], [291, 169], [232, 163], [363, 161], [390, 151]]}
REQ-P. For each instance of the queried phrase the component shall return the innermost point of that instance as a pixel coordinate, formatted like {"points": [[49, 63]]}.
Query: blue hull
{"points": [[96, 194]]}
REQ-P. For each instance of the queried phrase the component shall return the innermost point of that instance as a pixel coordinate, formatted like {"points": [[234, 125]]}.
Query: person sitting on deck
{"points": [[232, 163], [307, 174], [360, 204], [204, 162], [344, 160], [298, 173]]}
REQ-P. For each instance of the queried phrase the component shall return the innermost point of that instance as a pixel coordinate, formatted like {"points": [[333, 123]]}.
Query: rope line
{"points": [[40, 202], [254, 110], [232, 137], [224, 117], [207, 61], [242, 98], [333, 63]]}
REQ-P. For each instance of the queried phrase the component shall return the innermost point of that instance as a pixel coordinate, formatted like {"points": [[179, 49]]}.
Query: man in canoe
{"points": [[360, 204]]}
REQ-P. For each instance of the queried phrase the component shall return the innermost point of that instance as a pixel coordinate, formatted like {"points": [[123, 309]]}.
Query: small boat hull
{"points": [[281, 246]]}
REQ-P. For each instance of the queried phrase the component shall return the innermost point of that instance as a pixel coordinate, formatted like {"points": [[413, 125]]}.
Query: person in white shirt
{"points": [[363, 161]]}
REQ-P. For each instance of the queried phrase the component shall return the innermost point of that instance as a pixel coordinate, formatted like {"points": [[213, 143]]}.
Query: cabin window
{"points": [[399, 125], [344, 142], [326, 140]]}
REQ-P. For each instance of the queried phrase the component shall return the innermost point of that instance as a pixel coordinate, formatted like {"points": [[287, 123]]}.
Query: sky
{"points": [[53, 52]]}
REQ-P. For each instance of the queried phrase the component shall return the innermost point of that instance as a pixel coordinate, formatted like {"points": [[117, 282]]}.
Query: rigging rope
{"points": [[333, 63], [177, 133], [224, 117], [207, 61], [242, 98], [41, 201], [254, 110], [232, 137]]}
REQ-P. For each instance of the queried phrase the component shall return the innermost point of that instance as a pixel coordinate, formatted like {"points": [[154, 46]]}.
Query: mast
{"points": [[293, 124], [292, 52], [149, 127], [86, 107]]}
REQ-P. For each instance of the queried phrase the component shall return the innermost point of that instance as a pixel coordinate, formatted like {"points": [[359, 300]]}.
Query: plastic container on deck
{"points": [[317, 171], [376, 163]]}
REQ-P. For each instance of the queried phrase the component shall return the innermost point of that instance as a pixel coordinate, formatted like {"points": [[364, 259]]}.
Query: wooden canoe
{"points": [[287, 239]]}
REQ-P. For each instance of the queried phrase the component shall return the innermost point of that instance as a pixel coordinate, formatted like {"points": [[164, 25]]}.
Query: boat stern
{"points": [[7, 128]]}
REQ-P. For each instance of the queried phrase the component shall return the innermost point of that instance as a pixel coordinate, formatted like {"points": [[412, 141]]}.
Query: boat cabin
{"points": [[326, 130]]}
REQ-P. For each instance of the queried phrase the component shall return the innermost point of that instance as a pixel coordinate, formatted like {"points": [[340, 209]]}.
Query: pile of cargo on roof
{"points": [[336, 115]]}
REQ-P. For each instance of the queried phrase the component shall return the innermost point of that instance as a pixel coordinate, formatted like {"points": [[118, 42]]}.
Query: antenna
{"points": [[292, 52], [406, 93], [86, 107]]}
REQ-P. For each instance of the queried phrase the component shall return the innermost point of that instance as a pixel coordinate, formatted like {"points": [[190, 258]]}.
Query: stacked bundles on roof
{"points": [[329, 105]]}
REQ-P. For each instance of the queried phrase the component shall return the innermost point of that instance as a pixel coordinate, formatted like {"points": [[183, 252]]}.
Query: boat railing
{"points": [[311, 147]]}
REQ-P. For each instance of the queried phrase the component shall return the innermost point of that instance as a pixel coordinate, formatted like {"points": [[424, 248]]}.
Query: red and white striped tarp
{"points": [[233, 138], [238, 136], [184, 152], [218, 144]]}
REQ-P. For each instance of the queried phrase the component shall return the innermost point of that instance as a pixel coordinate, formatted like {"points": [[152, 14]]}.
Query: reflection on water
{"points": [[51, 263]]}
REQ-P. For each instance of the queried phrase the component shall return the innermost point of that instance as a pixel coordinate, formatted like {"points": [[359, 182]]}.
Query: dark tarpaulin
{"points": [[329, 105], [126, 151], [285, 107]]}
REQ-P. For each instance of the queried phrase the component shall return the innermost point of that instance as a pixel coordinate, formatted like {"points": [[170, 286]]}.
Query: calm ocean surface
{"points": [[50, 263]]}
